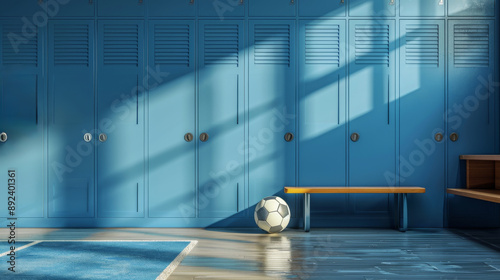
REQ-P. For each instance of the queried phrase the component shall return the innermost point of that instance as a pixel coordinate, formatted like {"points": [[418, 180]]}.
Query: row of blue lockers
{"points": [[191, 123], [40, 9]]}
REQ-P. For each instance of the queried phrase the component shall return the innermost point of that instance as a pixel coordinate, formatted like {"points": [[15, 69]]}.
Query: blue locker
{"points": [[71, 119], [172, 189], [372, 118], [221, 100], [21, 95], [21, 8], [73, 8], [273, 8], [272, 112], [320, 8], [172, 8], [422, 8], [376, 8], [322, 100], [120, 119], [121, 8], [222, 8], [422, 135], [468, 8], [470, 113]]}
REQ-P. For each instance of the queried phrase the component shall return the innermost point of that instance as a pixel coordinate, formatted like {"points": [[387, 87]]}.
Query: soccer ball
{"points": [[272, 214]]}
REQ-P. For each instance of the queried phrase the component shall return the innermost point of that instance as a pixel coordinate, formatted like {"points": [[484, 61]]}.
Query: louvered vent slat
{"points": [[171, 44], [372, 44], [18, 49], [322, 44], [422, 44], [121, 44], [221, 44], [71, 44], [272, 44], [471, 46]]}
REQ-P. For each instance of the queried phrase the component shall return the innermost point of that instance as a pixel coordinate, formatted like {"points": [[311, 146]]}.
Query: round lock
{"points": [[354, 137], [204, 137], [454, 137], [188, 137], [87, 137], [3, 137], [103, 137], [438, 137], [289, 137]]}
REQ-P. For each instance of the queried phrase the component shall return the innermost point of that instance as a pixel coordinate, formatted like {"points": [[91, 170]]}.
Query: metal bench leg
{"points": [[403, 213], [307, 212]]}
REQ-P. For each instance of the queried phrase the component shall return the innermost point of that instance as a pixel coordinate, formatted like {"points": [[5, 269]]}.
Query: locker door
{"points": [[365, 8], [371, 109], [272, 108], [70, 117], [21, 149], [422, 97], [221, 105], [74, 8], [422, 8], [222, 8], [20, 8], [172, 189], [120, 117], [471, 112], [274, 8], [172, 8], [318, 8], [468, 8], [322, 124], [121, 8]]}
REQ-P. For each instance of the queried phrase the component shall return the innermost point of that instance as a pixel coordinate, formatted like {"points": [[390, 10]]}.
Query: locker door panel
{"points": [[322, 123], [471, 111], [371, 109], [319, 8], [425, 8], [120, 92], [222, 8], [20, 8], [121, 8], [422, 89], [172, 8], [272, 109], [221, 105], [481, 8], [364, 8], [172, 189], [275, 8], [70, 116], [74, 8]]}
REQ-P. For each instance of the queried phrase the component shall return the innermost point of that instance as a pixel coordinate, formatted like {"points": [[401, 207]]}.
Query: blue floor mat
{"points": [[93, 260]]}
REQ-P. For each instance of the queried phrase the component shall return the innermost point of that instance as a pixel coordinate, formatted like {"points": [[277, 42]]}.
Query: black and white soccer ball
{"points": [[272, 214]]}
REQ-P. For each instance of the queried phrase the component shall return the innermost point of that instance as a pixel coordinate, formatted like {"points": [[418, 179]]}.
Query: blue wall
{"points": [[145, 79]]}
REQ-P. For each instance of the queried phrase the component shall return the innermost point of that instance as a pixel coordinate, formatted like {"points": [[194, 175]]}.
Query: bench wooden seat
{"points": [[491, 195], [400, 195]]}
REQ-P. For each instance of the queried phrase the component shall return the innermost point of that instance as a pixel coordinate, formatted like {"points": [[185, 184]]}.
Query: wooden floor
{"points": [[320, 254]]}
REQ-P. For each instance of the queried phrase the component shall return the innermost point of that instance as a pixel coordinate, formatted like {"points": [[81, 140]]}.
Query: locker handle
{"points": [[204, 137], [103, 137], [289, 137], [87, 137], [355, 137], [3, 137], [188, 137], [454, 137], [438, 137]]}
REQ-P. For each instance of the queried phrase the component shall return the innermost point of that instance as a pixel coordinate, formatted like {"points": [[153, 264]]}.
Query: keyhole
{"points": [[188, 137], [289, 137], [87, 137], [103, 137]]}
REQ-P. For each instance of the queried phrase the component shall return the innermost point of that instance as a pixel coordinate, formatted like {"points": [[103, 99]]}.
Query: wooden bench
{"points": [[400, 193], [482, 178]]}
